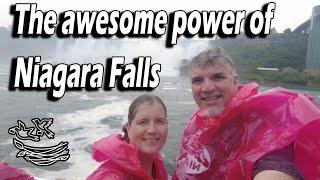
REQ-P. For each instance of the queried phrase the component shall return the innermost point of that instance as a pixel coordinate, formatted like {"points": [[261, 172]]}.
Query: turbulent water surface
{"points": [[82, 117]]}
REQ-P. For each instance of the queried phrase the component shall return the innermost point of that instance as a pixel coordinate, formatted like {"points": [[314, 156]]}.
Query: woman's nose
{"points": [[152, 128]]}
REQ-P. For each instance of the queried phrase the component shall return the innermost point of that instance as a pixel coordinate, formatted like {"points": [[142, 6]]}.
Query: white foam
{"points": [[93, 115], [7, 141], [74, 93], [36, 178], [169, 88], [167, 83], [79, 170], [111, 98], [90, 130], [187, 102], [3, 70], [86, 97], [98, 50]]}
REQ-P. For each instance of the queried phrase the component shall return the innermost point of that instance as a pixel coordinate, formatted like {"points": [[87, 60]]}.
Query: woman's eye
{"points": [[196, 81], [161, 121]]}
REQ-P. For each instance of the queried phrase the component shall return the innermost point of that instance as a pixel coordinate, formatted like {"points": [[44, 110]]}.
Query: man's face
{"points": [[213, 87]]}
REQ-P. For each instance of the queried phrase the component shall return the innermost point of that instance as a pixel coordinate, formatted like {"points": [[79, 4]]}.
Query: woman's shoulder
{"points": [[161, 167], [109, 147]]}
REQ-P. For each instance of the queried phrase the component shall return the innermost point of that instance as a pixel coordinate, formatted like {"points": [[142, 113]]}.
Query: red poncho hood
{"points": [[121, 158], [10, 172]]}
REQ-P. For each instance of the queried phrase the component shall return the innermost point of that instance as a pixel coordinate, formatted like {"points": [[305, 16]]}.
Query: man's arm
{"points": [[277, 165], [273, 174]]}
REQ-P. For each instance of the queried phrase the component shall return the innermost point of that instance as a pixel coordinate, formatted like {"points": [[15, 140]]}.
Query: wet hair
{"points": [[210, 57], [146, 98]]}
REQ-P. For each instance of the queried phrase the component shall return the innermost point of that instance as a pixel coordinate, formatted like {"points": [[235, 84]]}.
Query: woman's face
{"points": [[149, 128]]}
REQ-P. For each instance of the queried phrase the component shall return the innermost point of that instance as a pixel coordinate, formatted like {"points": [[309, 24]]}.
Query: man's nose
{"points": [[207, 86]]}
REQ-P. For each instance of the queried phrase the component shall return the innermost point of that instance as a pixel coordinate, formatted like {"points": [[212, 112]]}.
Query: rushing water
{"points": [[82, 117]]}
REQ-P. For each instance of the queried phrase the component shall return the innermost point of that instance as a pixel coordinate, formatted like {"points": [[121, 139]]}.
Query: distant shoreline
{"points": [[276, 83], [286, 85], [287, 80]]}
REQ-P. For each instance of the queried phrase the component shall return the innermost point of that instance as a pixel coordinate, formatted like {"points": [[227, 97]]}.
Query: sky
{"points": [[288, 13]]}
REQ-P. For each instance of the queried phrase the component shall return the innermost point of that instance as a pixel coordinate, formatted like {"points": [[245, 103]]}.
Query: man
{"points": [[238, 133]]}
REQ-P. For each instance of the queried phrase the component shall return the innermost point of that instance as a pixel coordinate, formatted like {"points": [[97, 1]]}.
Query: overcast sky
{"points": [[288, 13]]}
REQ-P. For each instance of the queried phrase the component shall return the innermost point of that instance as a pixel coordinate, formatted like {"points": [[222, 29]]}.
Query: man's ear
{"points": [[235, 79]]}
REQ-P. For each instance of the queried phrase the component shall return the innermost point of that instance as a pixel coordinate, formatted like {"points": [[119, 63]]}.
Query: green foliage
{"points": [[287, 31], [293, 78], [276, 50]]}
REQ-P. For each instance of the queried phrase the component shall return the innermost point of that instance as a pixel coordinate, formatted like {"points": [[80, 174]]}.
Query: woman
{"points": [[136, 154]]}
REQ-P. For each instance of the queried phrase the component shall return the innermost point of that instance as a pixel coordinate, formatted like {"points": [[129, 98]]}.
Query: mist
{"points": [[97, 50]]}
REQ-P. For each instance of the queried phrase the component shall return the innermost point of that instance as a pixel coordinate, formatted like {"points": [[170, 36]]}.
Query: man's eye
{"points": [[142, 122], [218, 77]]}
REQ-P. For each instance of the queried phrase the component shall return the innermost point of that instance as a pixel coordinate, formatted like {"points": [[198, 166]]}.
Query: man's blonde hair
{"points": [[210, 57]]}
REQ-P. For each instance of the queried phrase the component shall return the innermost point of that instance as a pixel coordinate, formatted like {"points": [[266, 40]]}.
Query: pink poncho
{"points": [[121, 162]]}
